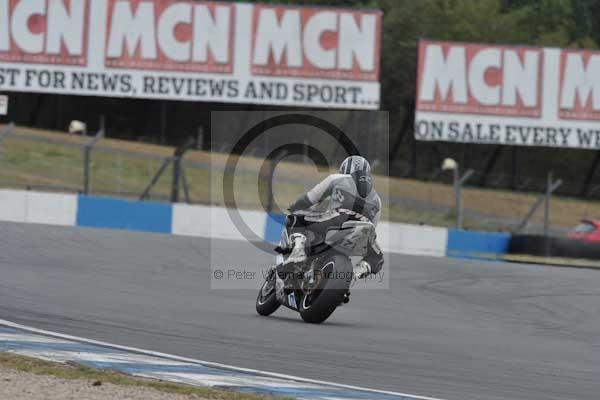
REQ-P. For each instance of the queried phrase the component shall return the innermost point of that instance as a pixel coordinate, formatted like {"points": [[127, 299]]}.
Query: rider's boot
{"points": [[362, 270], [298, 254], [346, 298]]}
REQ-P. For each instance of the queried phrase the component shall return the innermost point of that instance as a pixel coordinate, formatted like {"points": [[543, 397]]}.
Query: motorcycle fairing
{"points": [[352, 238]]}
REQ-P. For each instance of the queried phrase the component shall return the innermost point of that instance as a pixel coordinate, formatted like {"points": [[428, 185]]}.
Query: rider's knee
{"points": [[377, 267], [375, 261]]}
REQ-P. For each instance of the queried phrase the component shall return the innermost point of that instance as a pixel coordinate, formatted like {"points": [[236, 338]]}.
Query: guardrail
{"points": [[215, 222]]}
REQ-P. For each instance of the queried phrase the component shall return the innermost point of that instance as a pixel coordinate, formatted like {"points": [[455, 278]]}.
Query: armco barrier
{"points": [[51, 208], [100, 212], [191, 220], [38, 207], [482, 245], [205, 221], [412, 239], [14, 206], [559, 247], [215, 222]]}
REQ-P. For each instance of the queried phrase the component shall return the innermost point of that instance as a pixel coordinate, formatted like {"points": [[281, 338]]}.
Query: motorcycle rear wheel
{"points": [[317, 305]]}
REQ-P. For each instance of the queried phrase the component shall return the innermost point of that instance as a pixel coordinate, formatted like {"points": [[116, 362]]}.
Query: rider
{"points": [[350, 192]]}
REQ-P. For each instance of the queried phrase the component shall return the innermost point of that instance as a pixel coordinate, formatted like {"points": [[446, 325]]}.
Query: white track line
{"points": [[207, 363]]}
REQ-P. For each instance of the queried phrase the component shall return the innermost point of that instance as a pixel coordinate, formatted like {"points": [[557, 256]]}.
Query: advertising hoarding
{"points": [[510, 95], [190, 50]]}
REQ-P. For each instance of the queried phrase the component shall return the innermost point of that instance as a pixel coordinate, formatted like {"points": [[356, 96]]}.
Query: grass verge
{"points": [[557, 261], [53, 161], [80, 372]]}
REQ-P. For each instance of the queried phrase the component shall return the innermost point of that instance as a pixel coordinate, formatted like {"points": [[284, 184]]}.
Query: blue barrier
{"points": [[483, 245], [273, 227], [102, 212]]}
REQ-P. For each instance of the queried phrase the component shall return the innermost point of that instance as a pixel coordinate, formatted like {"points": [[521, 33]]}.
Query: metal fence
{"points": [[39, 161], [74, 164]]}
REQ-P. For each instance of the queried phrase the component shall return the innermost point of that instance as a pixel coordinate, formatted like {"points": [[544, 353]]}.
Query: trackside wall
{"points": [[222, 223]]}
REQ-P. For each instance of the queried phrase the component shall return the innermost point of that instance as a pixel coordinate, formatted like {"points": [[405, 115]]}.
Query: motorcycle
{"points": [[316, 287]]}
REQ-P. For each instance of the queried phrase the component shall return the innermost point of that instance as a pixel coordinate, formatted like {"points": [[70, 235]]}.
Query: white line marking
{"points": [[208, 363], [96, 357], [30, 338]]}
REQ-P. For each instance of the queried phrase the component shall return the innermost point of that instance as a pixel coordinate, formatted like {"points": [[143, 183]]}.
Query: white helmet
{"points": [[355, 163]]}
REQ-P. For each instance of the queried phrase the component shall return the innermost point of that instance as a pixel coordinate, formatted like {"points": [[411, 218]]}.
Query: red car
{"points": [[588, 230]]}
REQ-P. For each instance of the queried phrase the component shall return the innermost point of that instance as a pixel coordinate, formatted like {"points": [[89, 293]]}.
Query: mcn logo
{"points": [[479, 79], [44, 31], [316, 42], [167, 35], [579, 85], [194, 36]]}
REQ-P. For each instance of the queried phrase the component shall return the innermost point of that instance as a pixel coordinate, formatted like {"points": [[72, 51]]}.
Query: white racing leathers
{"points": [[344, 202]]}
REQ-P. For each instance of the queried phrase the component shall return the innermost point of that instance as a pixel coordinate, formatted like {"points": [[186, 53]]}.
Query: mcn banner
{"points": [[513, 95], [191, 50]]}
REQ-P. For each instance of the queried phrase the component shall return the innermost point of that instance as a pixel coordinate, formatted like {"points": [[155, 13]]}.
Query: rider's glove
{"points": [[302, 203]]}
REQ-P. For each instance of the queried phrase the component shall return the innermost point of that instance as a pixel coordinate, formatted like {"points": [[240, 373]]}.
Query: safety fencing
{"points": [[222, 223], [49, 161]]}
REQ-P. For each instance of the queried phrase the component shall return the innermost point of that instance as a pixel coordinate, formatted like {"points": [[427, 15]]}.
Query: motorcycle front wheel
{"points": [[266, 302]]}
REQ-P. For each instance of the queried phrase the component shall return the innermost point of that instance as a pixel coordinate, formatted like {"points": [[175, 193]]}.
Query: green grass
{"points": [[33, 163], [53, 161], [559, 261], [80, 372]]}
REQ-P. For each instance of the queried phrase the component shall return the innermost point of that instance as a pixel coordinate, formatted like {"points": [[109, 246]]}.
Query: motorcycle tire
{"points": [[267, 305], [317, 306]]}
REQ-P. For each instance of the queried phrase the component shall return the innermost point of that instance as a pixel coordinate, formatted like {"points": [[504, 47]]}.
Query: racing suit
{"points": [[343, 197]]}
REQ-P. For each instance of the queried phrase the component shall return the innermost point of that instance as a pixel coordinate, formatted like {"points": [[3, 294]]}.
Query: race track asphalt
{"points": [[453, 329]]}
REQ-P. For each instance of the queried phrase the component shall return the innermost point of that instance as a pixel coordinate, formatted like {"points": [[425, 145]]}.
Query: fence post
{"points": [[86, 169], [186, 188], [458, 184], [457, 199], [155, 178], [175, 181], [87, 152], [450, 164], [177, 157], [551, 187]]}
